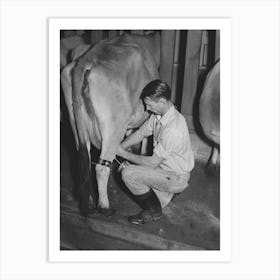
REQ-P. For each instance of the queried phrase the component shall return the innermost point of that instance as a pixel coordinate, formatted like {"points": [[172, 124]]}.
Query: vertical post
{"points": [[166, 55], [176, 64], [217, 45], [191, 74]]}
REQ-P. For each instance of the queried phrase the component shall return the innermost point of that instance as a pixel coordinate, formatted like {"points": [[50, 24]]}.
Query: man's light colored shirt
{"points": [[171, 141]]}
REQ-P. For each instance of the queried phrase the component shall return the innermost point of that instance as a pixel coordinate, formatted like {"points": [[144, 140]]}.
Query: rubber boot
{"points": [[151, 206]]}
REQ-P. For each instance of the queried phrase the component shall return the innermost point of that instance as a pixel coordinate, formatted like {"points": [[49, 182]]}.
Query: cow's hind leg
{"points": [[84, 178], [102, 176], [110, 142], [212, 164]]}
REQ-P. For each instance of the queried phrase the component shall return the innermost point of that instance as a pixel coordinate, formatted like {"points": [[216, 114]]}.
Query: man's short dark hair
{"points": [[156, 89]]}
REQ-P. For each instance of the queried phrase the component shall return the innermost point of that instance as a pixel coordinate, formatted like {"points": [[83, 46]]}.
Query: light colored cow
{"points": [[102, 92]]}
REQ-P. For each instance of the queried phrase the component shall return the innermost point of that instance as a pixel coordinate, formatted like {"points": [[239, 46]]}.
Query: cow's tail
{"points": [[78, 87], [84, 186]]}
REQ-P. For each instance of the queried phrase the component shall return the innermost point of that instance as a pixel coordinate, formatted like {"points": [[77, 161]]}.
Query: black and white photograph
{"points": [[140, 139]]}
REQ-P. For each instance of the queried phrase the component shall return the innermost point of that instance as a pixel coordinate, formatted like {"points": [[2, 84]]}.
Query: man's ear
{"points": [[147, 98], [162, 100]]}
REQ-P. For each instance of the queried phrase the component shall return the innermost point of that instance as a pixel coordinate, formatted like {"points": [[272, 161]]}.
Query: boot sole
{"points": [[142, 222]]}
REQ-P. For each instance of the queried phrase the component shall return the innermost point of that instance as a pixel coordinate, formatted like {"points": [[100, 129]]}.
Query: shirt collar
{"points": [[167, 116]]}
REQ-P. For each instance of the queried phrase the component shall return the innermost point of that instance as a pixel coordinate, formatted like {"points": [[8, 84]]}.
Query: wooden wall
{"points": [[186, 57]]}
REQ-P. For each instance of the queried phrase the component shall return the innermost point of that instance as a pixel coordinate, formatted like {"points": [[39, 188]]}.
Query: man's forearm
{"points": [[132, 139], [140, 160]]}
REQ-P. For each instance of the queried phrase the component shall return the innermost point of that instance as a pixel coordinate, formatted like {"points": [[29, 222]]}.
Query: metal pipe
{"points": [[117, 161]]}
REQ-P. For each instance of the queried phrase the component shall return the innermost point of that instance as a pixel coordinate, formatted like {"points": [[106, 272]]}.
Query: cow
{"points": [[102, 89], [209, 112]]}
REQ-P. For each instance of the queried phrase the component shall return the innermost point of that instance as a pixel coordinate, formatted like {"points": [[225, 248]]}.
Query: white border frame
{"points": [[57, 24]]}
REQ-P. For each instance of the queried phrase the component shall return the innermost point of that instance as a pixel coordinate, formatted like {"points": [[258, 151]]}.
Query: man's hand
{"points": [[152, 161], [132, 139]]}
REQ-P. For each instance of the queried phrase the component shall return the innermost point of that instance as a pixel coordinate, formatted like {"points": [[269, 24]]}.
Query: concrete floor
{"points": [[191, 218]]}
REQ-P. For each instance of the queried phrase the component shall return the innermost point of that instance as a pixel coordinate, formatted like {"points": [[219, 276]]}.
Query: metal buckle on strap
{"points": [[105, 162]]}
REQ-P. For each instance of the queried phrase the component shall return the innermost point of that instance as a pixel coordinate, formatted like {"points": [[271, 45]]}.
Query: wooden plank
{"points": [[176, 65], [67, 245], [191, 74], [217, 45], [166, 55], [124, 232]]}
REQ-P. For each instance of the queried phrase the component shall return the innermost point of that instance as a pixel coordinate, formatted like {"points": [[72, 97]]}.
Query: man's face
{"points": [[153, 106]]}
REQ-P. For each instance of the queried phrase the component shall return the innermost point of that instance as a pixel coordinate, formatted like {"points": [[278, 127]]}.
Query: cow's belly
{"points": [[138, 118]]}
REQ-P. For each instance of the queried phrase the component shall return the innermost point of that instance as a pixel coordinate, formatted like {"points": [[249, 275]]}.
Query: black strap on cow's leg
{"points": [[108, 212], [104, 162]]}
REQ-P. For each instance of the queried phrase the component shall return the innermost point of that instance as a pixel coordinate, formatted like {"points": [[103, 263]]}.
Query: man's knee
{"points": [[128, 172]]}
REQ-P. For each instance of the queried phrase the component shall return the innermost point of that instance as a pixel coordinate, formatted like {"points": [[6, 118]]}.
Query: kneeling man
{"points": [[155, 179]]}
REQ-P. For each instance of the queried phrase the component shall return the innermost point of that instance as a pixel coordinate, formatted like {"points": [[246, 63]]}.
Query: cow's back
{"points": [[151, 43]]}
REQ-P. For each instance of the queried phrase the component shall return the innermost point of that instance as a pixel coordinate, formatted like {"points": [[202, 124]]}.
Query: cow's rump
{"points": [[209, 112], [209, 107], [108, 80]]}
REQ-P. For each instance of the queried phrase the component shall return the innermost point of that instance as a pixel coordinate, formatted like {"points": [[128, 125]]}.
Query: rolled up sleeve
{"points": [[147, 127]]}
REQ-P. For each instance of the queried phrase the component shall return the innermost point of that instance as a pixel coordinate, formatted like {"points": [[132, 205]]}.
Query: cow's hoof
{"points": [[92, 210], [108, 212], [211, 170]]}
